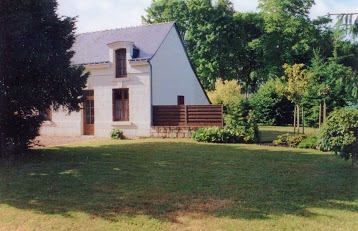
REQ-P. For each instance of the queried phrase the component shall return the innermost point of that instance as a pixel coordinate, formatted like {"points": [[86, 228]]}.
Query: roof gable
{"points": [[92, 47]]}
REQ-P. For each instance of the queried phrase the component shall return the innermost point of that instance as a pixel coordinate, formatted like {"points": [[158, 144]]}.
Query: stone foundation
{"points": [[172, 132]]}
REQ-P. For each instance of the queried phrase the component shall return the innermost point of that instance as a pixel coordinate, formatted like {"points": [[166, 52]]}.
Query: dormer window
{"points": [[121, 63]]}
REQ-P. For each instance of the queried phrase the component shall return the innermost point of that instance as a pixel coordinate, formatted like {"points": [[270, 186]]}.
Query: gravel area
{"points": [[48, 141]]}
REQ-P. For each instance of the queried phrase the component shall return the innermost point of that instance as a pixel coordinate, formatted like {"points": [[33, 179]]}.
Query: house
{"points": [[131, 70]]}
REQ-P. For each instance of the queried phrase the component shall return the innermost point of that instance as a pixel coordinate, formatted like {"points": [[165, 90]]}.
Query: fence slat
{"points": [[188, 115]]}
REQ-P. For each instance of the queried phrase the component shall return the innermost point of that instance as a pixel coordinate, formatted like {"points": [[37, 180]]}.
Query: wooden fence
{"points": [[188, 115]]}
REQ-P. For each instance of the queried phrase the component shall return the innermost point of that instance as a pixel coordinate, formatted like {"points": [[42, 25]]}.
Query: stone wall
{"points": [[172, 132]]}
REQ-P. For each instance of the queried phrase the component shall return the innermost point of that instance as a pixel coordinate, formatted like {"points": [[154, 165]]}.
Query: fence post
{"points": [[186, 115], [222, 115]]}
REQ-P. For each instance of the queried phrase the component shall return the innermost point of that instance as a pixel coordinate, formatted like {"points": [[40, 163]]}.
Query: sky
{"points": [[94, 15]]}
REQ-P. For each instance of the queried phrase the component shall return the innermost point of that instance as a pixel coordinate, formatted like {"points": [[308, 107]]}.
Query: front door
{"points": [[88, 113]]}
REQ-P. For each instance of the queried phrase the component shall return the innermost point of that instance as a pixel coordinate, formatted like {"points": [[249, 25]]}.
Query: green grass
{"points": [[178, 185], [270, 133]]}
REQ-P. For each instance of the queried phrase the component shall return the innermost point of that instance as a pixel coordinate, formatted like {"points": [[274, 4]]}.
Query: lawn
{"points": [[178, 185], [270, 133]]}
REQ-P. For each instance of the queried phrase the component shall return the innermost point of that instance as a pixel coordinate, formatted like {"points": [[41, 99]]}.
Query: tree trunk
{"points": [[3, 47], [298, 119], [303, 122], [320, 115], [324, 111], [294, 120]]}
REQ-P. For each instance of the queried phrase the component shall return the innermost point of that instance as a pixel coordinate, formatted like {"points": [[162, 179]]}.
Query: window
{"points": [[121, 63], [120, 105], [181, 100]]}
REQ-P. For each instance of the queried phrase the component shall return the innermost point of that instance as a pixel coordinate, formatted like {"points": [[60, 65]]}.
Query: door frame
{"points": [[88, 129]]}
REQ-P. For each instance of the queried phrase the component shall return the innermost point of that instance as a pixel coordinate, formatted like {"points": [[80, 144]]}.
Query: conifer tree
{"points": [[35, 69]]}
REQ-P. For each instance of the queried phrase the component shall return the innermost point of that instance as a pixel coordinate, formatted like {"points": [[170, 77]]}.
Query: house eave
{"points": [[94, 64], [138, 62]]}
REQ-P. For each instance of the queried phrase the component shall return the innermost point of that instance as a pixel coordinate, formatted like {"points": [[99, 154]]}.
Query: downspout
{"points": [[151, 92]]}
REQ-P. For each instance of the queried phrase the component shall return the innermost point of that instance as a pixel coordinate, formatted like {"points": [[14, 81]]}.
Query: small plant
{"points": [[294, 141], [288, 140], [217, 135], [281, 139], [310, 142], [116, 134]]}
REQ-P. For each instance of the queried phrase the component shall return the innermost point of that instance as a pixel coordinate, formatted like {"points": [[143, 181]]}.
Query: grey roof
{"points": [[92, 47]]}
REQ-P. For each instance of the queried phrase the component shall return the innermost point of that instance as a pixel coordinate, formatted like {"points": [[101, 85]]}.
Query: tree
{"points": [[36, 71], [297, 80], [290, 36], [168, 10], [250, 56], [226, 92]]}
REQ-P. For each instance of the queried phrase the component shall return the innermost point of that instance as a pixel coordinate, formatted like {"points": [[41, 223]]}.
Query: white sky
{"points": [[96, 15]]}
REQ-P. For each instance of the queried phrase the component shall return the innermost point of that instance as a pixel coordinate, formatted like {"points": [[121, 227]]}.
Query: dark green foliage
{"points": [[270, 106], [36, 71], [116, 134], [310, 142], [250, 50], [240, 117], [340, 133]]}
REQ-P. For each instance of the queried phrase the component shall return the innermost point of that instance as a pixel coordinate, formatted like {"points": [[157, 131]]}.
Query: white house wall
{"points": [[172, 74], [102, 81]]}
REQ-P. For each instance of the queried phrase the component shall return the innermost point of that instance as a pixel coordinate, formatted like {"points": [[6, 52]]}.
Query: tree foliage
{"points": [[227, 92], [340, 133], [36, 71], [270, 106]]}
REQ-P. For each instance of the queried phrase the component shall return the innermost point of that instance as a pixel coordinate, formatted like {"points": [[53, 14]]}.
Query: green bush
{"points": [[340, 132], [294, 141], [310, 142], [270, 106], [281, 139], [217, 135], [116, 134], [222, 135], [241, 119], [288, 140]]}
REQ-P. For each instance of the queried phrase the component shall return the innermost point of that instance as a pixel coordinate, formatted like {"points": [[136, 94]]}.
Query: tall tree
{"points": [[290, 36], [250, 57], [36, 71]]}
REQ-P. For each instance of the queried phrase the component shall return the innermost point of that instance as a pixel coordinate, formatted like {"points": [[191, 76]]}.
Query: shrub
{"points": [[288, 140], [281, 140], [241, 119], [270, 106], [340, 132], [294, 141], [310, 142], [116, 134], [216, 135]]}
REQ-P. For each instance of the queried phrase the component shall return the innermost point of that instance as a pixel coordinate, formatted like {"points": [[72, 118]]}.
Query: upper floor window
{"points": [[121, 63]]}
